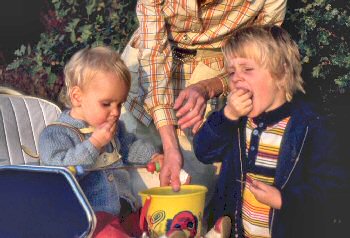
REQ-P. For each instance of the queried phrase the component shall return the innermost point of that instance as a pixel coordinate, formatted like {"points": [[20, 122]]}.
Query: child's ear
{"points": [[76, 96], [280, 84]]}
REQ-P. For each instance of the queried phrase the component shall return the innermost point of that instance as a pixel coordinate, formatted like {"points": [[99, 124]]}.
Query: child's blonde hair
{"points": [[272, 47], [85, 63]]}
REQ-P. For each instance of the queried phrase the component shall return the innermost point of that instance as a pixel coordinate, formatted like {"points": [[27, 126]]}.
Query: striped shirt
{"points": [[187, 24], [263, 142]]}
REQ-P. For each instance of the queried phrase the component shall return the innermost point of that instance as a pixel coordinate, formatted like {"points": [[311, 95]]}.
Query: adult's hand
{"points": [[170, 171], [190, 105]]}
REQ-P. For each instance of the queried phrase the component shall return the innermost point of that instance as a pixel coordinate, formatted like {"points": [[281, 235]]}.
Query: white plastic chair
{"points": [[36, 201], [22, 118]]}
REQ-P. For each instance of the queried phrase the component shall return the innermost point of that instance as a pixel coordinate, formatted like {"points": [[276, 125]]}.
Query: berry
{"points": [[151, 167]]}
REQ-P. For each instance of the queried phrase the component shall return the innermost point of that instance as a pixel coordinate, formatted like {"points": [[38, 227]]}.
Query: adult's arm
{"points": [[173, 161], [154, 58], [154, 62], [192, 101]]}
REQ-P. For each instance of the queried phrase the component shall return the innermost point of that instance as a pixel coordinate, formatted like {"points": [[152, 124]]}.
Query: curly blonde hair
{"points": [[85, 63]]}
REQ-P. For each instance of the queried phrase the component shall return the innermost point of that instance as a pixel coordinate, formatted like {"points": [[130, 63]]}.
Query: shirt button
{"points": [[196, 28], [255, 132], [110, 177], [186, 38]]}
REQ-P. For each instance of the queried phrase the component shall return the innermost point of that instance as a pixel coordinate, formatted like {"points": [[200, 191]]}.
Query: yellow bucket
{"points": [[164, 210]]}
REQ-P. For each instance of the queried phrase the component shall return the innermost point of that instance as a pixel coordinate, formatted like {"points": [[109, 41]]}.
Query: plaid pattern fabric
{"points": [[180, 23]]}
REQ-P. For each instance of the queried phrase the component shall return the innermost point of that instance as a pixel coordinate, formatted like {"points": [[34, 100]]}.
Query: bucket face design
{"points": [[165, 210]]}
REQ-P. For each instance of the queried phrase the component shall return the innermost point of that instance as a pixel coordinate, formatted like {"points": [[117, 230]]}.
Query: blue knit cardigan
{"points": [[62, 146]]}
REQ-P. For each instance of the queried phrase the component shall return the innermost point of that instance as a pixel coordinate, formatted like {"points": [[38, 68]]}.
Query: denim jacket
{"points": [[309, 173]]}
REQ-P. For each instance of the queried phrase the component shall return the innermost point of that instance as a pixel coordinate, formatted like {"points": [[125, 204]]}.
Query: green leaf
{"points": [[72, 25], [21, 51], [14, 65], [72, 37], [51, 78], [90, 6], [70, 2], [316, 71], [61, 38]]}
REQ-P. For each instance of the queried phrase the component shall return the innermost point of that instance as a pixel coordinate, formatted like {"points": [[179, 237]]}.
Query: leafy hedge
{"points": [[70, 25], [321, 28]]}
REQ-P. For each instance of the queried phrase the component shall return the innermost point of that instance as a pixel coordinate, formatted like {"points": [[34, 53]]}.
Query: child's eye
{"points": [[231, 73], [248, 69], [106, 104]]}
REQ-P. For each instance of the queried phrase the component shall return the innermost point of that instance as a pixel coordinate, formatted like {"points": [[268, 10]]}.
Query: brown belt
{"points": [[186, 55]]}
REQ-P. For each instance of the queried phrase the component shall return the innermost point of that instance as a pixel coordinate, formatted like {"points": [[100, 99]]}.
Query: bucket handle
{"points": [[144, 211]]}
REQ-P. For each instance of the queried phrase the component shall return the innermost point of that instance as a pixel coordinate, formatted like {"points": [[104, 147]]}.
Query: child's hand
{"points": [[266, 194], [103, 134], [239, 103], [157, 158]]}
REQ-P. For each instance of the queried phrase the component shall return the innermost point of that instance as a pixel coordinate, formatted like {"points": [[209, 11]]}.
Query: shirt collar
{"points": [[272, 117], [66, 118]]}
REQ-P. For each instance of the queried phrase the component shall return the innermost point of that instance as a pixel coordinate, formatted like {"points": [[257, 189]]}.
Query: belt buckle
{"points": [[183, 55]]}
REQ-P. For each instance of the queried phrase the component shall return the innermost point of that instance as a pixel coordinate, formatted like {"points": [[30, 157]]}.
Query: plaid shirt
{"points": [[185, 24]]}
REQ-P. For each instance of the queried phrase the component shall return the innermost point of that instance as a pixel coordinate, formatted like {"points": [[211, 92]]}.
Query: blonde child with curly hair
{"points": [[89, 134]]}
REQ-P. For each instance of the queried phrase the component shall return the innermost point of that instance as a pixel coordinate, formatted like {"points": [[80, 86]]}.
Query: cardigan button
{"points": [[110, 177]]}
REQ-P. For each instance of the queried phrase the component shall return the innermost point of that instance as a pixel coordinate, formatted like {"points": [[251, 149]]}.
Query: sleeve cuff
{"points": [[91, 149], [164, 115]]}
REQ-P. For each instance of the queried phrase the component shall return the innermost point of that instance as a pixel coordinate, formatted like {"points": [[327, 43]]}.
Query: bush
{"points": [[322, 29], [70, 25]]}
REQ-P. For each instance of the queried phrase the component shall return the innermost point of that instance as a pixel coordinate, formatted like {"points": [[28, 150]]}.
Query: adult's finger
{"points": [[180, 99], [164, 177], [189, 106], [197, 126], [191, 119], [175, 182]]}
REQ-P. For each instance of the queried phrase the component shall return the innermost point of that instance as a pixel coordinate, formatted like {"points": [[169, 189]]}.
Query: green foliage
{"points": [[323, 29], [72, 25]]}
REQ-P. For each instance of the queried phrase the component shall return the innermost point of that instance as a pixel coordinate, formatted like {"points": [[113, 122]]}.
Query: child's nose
{"points": [[237, 77], [115, 112]]}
